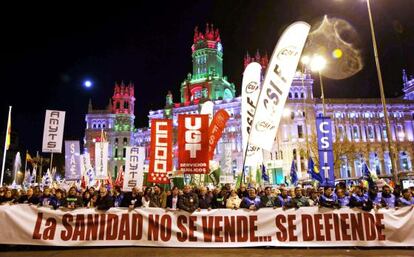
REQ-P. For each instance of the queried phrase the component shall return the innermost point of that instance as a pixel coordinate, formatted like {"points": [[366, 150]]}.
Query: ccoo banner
{"points": [[325, 149], [216, 129], [53, 131], [101, 160], [276, 85], [161, 162], [304, 227], [72, 161], [193, 143], [134, 167], [250, 94]]}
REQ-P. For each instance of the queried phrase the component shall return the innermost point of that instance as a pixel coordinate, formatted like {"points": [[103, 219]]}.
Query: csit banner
{"points": [[325, 149], [53, 131], [24, 224], [72, 161], [216, 129], [276, 85], [134, 167], [161, 155], [193, 146]]}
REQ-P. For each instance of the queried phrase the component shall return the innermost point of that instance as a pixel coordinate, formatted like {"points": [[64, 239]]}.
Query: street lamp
{"points": [[317, 64], [384, 106]]}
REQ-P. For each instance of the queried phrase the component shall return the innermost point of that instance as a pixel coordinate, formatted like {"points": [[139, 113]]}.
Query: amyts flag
{"points": [[161, 162], [276, 85], [193, 146], [216, 129]]}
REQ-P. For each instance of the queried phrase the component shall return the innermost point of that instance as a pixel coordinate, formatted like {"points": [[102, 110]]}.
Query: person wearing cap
{"points": [[267, 200], [252, 202], [387, 198], [407, 198], [299, 200], [328, 198]]}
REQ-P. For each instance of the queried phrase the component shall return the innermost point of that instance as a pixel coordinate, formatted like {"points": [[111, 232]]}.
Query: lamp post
{"points": [[384, 106], [317, 64]]}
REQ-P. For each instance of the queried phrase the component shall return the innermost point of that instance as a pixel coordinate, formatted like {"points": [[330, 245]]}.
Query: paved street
{"points": [[179, 252]]}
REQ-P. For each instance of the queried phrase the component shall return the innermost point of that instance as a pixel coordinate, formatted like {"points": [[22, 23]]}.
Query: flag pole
{"points": [[5, 148], [25, 162], [51, 161]]}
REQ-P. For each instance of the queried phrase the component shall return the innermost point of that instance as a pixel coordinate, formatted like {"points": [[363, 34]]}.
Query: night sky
{"points": [[47, 52]]}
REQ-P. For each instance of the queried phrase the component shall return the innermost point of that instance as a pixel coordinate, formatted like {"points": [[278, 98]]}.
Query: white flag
{"points": [[53, 131], [250, 94], [276, 84], [101, 160]]}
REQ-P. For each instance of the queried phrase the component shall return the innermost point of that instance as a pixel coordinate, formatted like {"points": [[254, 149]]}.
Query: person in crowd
{"points": [[86, 198], [313, 197], [172, 199], [242, 192], [374, 197], [146, 197], [91, 191], [188, 201], [283, 199], [118, 196], [299, 200], [58, 200], [72, 200], [387, 198], [132, 199], [29, 197], [328, 198], [157, 197], [219, 199], [342, 198], [267, 200], [7, 197], [233, 201], [105, 200], [359, 199], [46, 198], [252, 202], [407, 198], [204, 199]]}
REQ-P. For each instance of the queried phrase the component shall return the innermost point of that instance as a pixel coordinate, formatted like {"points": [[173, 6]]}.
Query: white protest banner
{"points": [[53, 131], [276, 85], [101, 160], [250, 94], [24, 224], [134, 167]]}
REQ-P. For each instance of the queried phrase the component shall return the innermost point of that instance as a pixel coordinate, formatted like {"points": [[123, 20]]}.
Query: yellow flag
{"points": [[28, 157], [8, 132]]}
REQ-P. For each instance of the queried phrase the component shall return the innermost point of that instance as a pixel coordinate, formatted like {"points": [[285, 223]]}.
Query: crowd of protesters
{"points": [[193, 199]]}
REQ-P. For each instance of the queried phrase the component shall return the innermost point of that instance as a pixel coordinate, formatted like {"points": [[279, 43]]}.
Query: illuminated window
{"points": [[355, 132], [300, 131], [371, 133]]}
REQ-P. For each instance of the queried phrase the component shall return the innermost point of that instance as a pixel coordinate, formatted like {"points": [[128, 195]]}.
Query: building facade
{"points": [[359, 125]]}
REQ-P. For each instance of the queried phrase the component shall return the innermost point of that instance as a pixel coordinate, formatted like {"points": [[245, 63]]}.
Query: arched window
{"points": [[302, 95], [296, 95], [126, 105], [290, 97]]}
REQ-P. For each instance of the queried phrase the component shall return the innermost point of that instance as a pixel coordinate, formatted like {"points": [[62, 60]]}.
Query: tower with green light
{"points": [[207, 80]]}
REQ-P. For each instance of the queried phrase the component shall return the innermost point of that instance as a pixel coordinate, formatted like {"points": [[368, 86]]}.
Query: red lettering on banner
{"points": [[92, 227], [66, 234], [242, 229], [345, 226], [336, 227], [192, 228], [153, 227], [207, 227], [112, 227], [357, 226], [229, 229], [165, 228], [292, 228], [36, 231], [282, 234], [380, 226], [369, 226], [181, 236], [124, 229], [102, 226], [307, 227], [218, 229], [49, 233], [79, 231], [137, 226], [318, 227], [328, 226], [253, 228]]}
